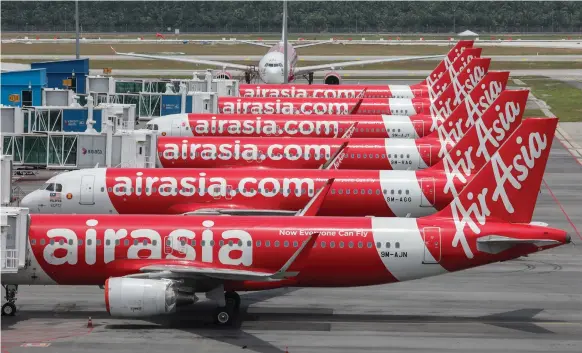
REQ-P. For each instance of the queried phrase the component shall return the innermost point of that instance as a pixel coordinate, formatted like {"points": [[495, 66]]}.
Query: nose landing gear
{"points": [[9, 308]]}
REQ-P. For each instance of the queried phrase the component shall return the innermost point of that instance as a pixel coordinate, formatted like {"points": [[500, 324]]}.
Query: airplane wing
{"points": [[312, 44], [341, 65], [219, 64], [204, 272], [259, 44]]}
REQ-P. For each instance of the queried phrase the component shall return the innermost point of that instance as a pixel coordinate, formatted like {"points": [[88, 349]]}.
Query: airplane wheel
{"points": [[224, 316], [232, 300], [8, 309]]}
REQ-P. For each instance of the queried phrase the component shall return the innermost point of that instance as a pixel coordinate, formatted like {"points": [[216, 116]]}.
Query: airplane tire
{"points": [[8, 309]]}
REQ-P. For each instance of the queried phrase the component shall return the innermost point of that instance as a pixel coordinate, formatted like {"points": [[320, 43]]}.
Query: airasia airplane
{"points": [[421, 90], [468, 78], [273, 192], [152, 264], [368, 153], [368, 126], [270, 69]]}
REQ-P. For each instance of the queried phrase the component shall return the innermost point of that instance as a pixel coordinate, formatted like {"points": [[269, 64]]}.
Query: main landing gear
{"points": [[226, 314], [9, 308], [228, 305]]}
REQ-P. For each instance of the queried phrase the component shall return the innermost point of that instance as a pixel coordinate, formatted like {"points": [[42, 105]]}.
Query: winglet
{"points": [[337, 158], [357, 106], [301, 252], [316, 201], [349, 132]]}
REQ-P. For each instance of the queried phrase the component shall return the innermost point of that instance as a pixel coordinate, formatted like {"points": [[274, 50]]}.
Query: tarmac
{"points": [[532, 304]]}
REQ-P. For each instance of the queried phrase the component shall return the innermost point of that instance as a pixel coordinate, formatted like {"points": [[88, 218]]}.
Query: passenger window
{"points": [[268, 243], [387, 245], [332, 244], [102, 189], [258, 243], [89, 242], [378, 245], [33, 241], [286, 243], [277, 243], [295, 244], [249, 243], [323, 244], [360, 244], [341, 244], [125, 242], [351, 244], [397, 245]]}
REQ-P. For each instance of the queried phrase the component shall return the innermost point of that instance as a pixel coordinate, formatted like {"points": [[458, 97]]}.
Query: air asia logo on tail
{"points": [[463, 83], [448, 60], [464, 116], [498, 182], [489, 133]]}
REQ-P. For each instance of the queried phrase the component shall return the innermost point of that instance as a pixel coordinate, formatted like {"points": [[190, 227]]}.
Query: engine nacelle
{"points": [[223, 75], [136, 297], [332, 78]]}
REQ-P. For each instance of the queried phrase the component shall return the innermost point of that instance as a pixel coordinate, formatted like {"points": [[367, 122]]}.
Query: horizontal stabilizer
{"points": [[494, 244]]}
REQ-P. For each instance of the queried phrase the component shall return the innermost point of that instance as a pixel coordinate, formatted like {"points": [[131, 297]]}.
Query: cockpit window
{"points": [[52, 187], [152, 127]]}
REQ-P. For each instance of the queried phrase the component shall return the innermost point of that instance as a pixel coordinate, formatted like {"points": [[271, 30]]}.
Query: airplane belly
{"points": [[402, 249]]}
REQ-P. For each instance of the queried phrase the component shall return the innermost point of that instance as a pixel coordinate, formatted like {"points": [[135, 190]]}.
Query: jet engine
{"points": [[332, 78], [223, 75], [136, 297]]}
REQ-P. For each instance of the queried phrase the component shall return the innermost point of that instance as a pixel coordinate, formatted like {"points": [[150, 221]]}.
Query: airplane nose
{"points": [[28, 201]]}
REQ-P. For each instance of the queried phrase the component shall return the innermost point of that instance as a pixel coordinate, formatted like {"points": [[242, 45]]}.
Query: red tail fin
{"points": [[444, 65], [507, 187], [459, 87], [482, 140], [475, 104], [456, 68]]}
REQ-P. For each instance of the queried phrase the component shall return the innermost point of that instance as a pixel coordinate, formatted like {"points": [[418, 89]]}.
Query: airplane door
{"points": [[418, 127], [87, 189], [432, 245], [427, 186], [425, 156]]}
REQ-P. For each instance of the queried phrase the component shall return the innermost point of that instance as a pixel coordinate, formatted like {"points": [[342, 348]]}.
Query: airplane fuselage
{"points": [[88, 249]]}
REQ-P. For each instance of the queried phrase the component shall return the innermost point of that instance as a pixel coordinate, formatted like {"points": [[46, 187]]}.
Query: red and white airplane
{"points": [[274, 192], [374, 154], [468, 77], [271, 66], [371, 126], [420, 90], [151, 264]]}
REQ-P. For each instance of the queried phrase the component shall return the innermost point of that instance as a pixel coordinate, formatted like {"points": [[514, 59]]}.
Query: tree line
{"points": [[304, 17]]}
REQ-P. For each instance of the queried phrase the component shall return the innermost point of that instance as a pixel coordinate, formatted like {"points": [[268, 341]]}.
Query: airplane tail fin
{"points": [[484, 138], [474, 105], [449, 92], [444, 65], [507, 187]]}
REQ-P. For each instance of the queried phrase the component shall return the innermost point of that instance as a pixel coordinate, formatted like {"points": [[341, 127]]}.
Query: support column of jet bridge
{"points": [[13, 239]]}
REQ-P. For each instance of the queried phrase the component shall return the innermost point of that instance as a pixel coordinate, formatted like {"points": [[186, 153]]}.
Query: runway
{"points": [[532, 304], [256, 58]]}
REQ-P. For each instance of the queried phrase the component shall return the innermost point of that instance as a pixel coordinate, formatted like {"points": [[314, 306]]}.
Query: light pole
{"points": [[285, 68], [77, 28]]}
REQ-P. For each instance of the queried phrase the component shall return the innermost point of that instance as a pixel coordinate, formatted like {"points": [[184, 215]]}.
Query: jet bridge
{"points": [[14, 239]]}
